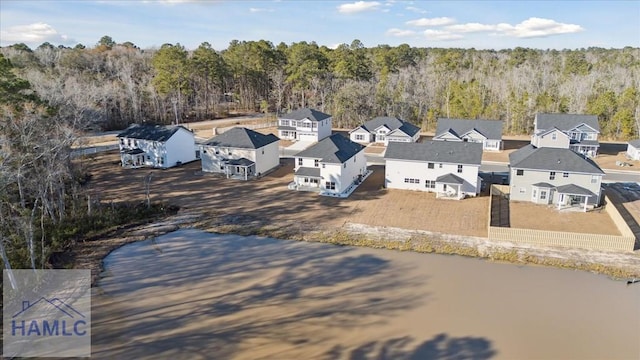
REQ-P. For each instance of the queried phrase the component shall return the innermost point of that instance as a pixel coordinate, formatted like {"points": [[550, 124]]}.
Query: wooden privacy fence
{"points": [[624, 242]]}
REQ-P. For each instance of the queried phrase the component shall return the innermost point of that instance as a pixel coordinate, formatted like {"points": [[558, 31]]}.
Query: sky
{"points": [[447, 24]]}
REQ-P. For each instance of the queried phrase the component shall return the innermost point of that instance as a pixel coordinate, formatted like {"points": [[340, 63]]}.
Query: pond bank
{"points": [[618, 266]]}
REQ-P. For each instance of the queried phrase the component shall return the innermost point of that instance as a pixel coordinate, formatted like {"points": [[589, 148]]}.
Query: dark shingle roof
{"points": [[635, 143], [552, 159], [333, 149], [305, 113], [242, 138], [491, 129], [308, 171], [565, 122], [573, 189], [150, 132], [436, 151], [240, 162], [450, 179], [392, 123]]}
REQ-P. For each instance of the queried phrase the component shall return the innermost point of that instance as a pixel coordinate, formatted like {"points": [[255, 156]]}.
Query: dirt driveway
{"points": [[270, 201]]}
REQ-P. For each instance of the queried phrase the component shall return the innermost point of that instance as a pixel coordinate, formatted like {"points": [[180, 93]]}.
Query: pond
{"points": [[196, 295]]}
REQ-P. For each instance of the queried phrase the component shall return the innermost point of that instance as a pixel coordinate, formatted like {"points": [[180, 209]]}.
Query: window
{"points": [[594, 179], [459, 169], [284, 122], [262, 151], [359, 137], [411, 181], [299, 161], [323, 166], [148, 157], [330, 185], [161, 160], [554, 136], [221, 167], [552, 175], [523, 190], [316, 162], [519, 172], [534, 193], [344, 166], [430, 184], [430, 166], [121, 141], [566, 174], [440, 165], [543, 195]]}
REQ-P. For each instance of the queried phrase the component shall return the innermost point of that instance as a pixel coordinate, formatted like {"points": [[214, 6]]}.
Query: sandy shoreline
{"points": [[619, 266]]}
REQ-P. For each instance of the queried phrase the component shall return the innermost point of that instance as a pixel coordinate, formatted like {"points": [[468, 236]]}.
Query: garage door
{"points": [[306, 137]]}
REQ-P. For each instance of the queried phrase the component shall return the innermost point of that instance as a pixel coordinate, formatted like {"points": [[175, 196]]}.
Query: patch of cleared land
{"points": [[269, 201], [525, 215]]}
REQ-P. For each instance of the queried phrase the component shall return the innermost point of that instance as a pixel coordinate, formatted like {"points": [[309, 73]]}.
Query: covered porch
{"points": [[133, 158], [306, 179], [573, 196], [242, 169], [588, 148], [449, 186]]}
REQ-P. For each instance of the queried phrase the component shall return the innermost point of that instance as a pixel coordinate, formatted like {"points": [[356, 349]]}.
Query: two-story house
{"points": [[486, 132], [554, 176], [334, 166], [450, 169], [305, 124], [384, 129], [581, 132], [240, 153], [156, 146]]}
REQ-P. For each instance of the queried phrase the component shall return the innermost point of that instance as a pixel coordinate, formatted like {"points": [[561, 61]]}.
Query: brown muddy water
{"points": [[195, 295]]}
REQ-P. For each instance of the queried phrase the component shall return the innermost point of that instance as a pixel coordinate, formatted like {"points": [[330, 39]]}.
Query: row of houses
{"points": [[556, 168]]}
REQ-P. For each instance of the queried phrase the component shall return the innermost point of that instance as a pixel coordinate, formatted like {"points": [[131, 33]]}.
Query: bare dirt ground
{"points": [[374, 149], [269, 201], [527, 215]]}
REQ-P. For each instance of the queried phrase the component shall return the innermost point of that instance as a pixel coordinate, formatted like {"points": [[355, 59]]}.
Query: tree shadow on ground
{"points": [[195, 295], [441, 347]]}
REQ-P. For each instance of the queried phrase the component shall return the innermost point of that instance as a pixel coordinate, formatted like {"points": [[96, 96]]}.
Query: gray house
{"points": [[384, 129], [486, 132], [580, 132], [240, 153], [554, 176]]}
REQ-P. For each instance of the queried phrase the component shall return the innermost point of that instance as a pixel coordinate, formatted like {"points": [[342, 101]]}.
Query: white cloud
{"points": [[416, 10], [439, 21], [471, 27], [359, 6], [36, 33], [257, 10], [441, 35], [537, 27], [400, 32]]}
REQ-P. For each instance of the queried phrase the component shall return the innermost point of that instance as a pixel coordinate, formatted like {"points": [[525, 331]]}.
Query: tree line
{"points": [[112, 85]]}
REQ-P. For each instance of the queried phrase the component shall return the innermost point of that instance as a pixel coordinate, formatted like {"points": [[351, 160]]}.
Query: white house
{"points": [[554, 176], [633, 149], [240, 153], [448, 168], [385, 129], [334, 166], [582, 131], [304, 125], [486, 132], [156, 146]]}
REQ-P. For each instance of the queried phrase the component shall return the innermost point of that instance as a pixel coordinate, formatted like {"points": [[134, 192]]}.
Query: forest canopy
{"points": [[111, 85]]}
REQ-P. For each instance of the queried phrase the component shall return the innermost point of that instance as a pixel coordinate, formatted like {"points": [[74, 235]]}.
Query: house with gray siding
{"points": [[556, 176], [385, 129], [447, 168], [156, 146], [581, 131], [305, 124], [335, 166], [240, 153], [486, 132]]}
